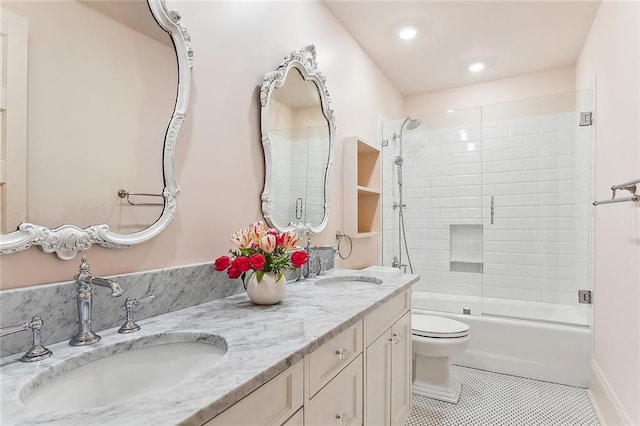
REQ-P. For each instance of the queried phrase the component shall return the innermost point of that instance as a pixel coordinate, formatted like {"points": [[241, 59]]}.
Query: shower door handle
{"points": [[299, 208], [493, 210]]}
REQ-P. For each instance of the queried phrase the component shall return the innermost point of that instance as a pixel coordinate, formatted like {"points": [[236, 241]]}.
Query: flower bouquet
{"points": [[265, 252]]}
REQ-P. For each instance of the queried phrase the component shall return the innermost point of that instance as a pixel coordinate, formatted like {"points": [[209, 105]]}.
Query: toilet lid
{"points": [[432, 326]]}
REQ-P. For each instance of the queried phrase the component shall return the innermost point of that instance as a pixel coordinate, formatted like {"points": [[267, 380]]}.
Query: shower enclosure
{"points": [[497, 211]]}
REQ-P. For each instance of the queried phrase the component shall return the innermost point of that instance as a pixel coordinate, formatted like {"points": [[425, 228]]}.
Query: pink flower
{"points": [[241, 263], [257, 261], [298, 258], [267, 243], [222, 263], [233, 273], [257, 230], [261, 249], [241, 239], [290, 240]]}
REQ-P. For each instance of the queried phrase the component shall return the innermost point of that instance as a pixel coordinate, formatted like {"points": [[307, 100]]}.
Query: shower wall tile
{"points": [[524, 294], [525, 128], [494, 132], [560, 297]]}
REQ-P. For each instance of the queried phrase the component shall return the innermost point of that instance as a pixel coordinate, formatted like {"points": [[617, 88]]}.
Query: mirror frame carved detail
{"points": [[305, 62], [66, 240]]}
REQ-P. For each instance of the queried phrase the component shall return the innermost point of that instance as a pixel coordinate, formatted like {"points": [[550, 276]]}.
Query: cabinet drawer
{"points": [[271, 404], [340, 401], [384, 316], [296, 420], [327, 361]]}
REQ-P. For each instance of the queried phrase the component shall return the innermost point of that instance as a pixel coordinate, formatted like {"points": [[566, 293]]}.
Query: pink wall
{"points": [[609, 63], [219, 155], [493, 92]]}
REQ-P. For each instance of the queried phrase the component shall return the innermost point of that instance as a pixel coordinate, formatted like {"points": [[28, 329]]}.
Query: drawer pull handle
{"points": [[343, 353], [344, 418]]}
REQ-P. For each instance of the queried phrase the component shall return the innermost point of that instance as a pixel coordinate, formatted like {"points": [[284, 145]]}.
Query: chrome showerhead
{"points": [[414, 123]]}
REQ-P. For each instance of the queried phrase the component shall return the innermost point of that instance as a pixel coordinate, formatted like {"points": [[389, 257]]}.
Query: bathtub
{"points": [[555, 347]]}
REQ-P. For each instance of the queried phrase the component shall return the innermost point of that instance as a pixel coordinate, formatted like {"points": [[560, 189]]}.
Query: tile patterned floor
{"points": [[492, 399]]}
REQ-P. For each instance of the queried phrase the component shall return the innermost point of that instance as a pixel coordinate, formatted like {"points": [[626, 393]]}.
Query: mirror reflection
{"points": [[300, 139], [299, 129], [98, 83]]}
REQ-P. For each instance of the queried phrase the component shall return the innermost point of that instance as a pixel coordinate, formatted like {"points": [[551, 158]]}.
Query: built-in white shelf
{"points": [[362, 188]]}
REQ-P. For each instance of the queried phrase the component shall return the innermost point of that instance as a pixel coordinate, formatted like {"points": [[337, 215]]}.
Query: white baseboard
{"points": [[604, 400]]}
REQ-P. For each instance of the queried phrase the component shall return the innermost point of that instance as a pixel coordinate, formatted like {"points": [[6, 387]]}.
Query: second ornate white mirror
{"points": [[298, 128]]}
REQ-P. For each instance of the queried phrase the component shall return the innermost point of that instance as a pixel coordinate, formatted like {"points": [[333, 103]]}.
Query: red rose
{"points": [[222, 263], [233, 273], [257, 261], [241, 263], [299, 258]]}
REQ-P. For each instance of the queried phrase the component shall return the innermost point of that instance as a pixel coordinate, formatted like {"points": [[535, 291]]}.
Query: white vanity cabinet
{"points": [[333, 380], [340, 401], [388, 362], [274, 403], [361, 376]]}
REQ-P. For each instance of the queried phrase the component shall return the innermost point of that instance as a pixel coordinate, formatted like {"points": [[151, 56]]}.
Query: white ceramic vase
{"points": [[269, 291]]}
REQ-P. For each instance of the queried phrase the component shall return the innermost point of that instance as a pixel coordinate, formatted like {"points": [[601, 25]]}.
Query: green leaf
{"points": [[259, 275]]}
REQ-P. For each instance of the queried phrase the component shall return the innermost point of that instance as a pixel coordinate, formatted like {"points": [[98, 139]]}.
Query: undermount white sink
{"points": [[351, 282], [122, 372]]}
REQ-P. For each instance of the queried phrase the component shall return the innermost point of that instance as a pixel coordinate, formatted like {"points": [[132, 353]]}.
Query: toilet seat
{"points": [[437, 327]]}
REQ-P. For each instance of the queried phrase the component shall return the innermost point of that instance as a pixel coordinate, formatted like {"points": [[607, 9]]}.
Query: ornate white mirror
{"points": [[96, 94], [298, 128]]}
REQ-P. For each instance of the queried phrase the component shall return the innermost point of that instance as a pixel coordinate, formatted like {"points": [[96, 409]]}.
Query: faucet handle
{"points": [[84, 265], [144, 300], [37, 352], [130, 325]]}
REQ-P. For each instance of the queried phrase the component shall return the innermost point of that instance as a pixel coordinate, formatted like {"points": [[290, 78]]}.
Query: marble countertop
{"points": [[262, 341]]}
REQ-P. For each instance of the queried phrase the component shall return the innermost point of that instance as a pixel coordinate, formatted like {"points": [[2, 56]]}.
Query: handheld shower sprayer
{"points": [[411, 123]]}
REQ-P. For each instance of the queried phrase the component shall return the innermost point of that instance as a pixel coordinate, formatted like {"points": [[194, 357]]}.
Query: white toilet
{"points": [[434, 340]]}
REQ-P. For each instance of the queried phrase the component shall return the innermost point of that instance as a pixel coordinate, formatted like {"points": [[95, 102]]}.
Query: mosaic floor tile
{"points": [[493, 399]]}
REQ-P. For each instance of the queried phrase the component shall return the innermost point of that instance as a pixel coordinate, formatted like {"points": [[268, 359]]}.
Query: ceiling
{"points": [[511, 37]]}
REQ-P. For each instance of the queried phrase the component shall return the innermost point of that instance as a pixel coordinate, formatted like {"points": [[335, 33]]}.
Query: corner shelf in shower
{"points": [[362, 188]]}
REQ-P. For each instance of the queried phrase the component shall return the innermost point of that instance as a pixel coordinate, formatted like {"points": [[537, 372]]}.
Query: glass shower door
{"points": [[536, 171]]}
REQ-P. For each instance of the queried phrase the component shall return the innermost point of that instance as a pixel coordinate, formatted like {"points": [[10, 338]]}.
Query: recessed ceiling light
{"points": [[450, 111], [477, 66], [407, 32]]}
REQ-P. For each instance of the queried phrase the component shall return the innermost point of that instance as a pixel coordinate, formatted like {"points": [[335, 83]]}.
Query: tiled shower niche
{"points": [[465, 248]]}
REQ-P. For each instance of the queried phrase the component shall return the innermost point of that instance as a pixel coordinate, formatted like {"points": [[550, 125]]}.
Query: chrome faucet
{"points": [[306, 270], [85, 281], [396, 264]]}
